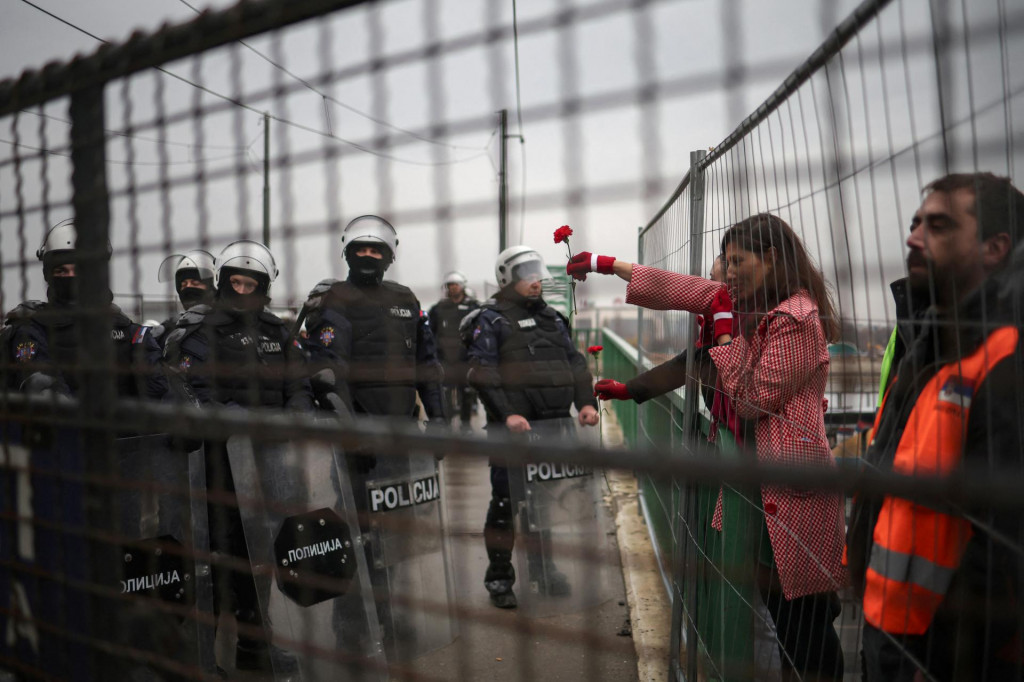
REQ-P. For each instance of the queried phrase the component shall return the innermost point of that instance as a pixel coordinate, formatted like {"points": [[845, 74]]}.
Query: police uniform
{"points": [[246, 359], [42, 338], [522, 362], [378, 342], [445, 317]]}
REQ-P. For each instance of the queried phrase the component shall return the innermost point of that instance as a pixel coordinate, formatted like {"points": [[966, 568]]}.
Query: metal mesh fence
{"points": [[161, 522], [900, 95]]}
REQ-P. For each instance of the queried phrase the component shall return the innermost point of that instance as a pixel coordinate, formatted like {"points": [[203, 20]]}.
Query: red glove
{"points": [[584, 262], [721, 311], [609, 389]]}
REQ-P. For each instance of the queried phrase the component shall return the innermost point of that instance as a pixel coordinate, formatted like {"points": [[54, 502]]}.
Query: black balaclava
{"points": [[253, 302], [366, 270], [61, 291], [193, 296]]}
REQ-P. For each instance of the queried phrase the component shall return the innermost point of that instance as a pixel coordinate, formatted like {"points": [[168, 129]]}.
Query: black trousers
{"points": [[808, 641]]}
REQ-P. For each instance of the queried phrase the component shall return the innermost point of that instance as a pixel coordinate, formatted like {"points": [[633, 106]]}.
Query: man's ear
{"points": [[995, 251]]}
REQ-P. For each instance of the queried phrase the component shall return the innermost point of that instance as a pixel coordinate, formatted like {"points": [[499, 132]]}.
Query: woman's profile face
{"points": [[746, 273]]}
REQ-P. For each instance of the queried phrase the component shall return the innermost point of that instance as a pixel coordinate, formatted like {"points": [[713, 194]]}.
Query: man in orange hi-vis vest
{"points": [[941, 584]]}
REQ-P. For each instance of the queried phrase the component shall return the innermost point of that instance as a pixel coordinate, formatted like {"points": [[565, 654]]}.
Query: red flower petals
{"points": [[562, 234], [594, 350]]}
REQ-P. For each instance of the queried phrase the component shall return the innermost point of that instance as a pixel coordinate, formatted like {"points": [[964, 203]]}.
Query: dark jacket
{"points": [[983, 595], [42, 338], [248, 359], [523, 361], [445, 317], [378, 341]]}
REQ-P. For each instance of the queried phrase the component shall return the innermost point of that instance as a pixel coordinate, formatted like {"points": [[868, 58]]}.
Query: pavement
{"points": [[623, 638]]}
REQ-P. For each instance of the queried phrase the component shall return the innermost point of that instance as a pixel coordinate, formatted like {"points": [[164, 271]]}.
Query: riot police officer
{"points": [[40, 338], [192, 274], [372, 332], [527, 371], [445, 316], [237, 353]]}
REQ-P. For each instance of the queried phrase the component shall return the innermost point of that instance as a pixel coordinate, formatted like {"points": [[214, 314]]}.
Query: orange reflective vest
{"points": [[917, 550]]}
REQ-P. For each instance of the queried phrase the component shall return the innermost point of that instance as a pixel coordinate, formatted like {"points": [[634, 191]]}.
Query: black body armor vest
{"points": [[535, 370], [382, 368]]}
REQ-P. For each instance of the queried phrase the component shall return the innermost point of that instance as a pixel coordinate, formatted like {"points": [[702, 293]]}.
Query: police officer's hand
{"points": [[588, 416], [584, 262], [517, 423], [609, 389]]}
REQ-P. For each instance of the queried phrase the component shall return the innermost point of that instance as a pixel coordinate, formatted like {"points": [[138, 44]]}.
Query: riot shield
{"points": [[562, 551], [409, 555], [302, 532], [160, 504]]}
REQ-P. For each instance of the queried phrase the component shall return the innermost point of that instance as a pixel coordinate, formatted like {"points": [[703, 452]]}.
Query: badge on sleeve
{"points": [[327, 336], [186, 362], [25, 351], [476, 332]]}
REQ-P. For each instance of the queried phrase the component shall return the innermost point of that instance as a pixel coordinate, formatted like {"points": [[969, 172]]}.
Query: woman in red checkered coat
{"points": [[774, 371]]}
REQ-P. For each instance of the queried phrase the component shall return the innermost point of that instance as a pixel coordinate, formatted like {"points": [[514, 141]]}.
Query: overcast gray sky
{"points": [[685, 47]]}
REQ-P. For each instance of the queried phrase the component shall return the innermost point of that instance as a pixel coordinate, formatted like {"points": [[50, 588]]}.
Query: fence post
{"points": [[96, 359]]}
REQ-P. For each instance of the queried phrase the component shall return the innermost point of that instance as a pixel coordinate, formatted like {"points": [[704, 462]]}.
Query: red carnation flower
{"points": [[562, 234], [594, 350]]}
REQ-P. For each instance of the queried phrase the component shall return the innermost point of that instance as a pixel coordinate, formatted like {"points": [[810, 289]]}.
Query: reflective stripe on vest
{"points": [[917, 550]]}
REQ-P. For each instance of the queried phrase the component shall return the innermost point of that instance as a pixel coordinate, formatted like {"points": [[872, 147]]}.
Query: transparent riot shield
{"points": [[160, 504], [302, 532], [562, 551], [409, 555]]}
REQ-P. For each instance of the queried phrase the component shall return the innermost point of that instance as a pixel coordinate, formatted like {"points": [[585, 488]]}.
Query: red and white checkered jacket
{"points": [[776, 378]]}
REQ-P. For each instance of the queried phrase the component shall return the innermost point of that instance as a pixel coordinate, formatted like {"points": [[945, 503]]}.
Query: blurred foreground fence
{"points": [[105, 560]]}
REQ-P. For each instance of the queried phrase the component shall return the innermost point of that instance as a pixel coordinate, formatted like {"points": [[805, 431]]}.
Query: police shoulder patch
{"points": [[185, 362], [25, 351], [327, 336]]}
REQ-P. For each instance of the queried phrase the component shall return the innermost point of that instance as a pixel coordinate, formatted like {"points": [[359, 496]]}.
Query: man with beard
{"points": [[236, 353], [526, 369], [192, 274], [40, 338], [941, 583], [445, 316]]}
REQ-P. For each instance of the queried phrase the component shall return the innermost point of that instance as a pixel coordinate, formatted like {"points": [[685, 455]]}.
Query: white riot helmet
{"points": [[60, 237], [371, 229], [196, 264], [455, 277], [519, 263], [247, 257]]}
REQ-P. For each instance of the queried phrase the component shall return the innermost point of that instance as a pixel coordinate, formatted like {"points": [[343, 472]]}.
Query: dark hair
{"points": [[793, 268], [998, 205]]}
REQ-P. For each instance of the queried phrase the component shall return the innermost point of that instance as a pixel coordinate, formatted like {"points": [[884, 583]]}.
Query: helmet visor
{"points": [[529, 271]]}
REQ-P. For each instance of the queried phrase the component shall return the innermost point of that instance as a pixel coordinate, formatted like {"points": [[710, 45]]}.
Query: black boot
{"points": [[255, 654], [501, 593], [252, 653]]}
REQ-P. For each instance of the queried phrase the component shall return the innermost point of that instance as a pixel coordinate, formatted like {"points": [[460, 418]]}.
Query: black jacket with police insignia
{"points": [[445, 316], [377, 340], [42, 338], [230, 357], [523, 361]]}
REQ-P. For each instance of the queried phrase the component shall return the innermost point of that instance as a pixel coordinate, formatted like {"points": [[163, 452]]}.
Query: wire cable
{"points": [[328, 98], [278, 119]]}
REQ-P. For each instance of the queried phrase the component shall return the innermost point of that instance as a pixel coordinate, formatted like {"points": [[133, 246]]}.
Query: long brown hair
{"points": [[792, 268]]}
